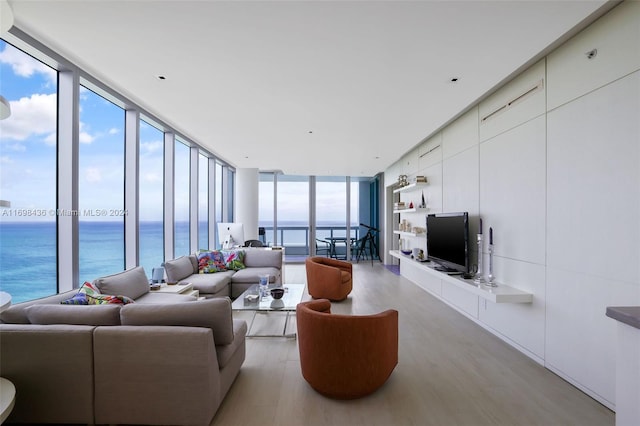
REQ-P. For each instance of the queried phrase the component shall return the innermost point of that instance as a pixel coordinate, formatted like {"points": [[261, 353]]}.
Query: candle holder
{"points": [[491, 278], [479, 277]]}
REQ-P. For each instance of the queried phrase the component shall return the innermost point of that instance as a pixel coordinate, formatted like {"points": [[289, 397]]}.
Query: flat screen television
{"points": [[448, 241]]}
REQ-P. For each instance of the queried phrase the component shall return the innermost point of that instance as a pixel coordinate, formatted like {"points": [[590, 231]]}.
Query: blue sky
{"points": [[28, 145]]}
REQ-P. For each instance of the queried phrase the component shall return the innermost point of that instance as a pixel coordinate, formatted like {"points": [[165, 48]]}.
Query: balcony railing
{"points": [[295, 239]]}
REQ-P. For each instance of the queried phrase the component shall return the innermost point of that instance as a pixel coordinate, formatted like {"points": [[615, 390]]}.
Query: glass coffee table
{"points": [[250, 301]]}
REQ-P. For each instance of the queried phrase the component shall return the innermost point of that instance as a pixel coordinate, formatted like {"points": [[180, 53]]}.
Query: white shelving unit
{"points": [[407, 234], [501, 294], [411, 210], [410, 187]]}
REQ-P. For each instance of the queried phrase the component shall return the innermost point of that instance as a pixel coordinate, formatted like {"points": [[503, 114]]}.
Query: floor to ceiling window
{"points": [[101, 186], [331, 216], [28, 176], [218, 200], [151, 219], [293, 214], [266, 207], [181, 200], [203, 202]]}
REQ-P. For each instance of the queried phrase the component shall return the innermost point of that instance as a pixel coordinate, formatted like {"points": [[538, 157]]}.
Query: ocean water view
{"points": [[28, 268]]}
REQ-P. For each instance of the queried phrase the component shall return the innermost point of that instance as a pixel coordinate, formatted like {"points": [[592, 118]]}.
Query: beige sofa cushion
{"points": [[210, 313], [225, 353], [252, 275], [74, 314], [17, 314], [258, 258], [52, 369], [132, 283], [179, 269], [210, 283]]}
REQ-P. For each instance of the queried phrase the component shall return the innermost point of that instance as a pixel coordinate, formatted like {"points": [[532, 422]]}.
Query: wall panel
{"points": [[522, 323], [512, 191], [594, 183], [461, 135], [520, 111], [571, 74]]}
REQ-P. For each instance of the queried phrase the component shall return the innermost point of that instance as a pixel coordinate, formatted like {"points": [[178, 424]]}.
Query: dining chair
{"points": [[323, 247]]}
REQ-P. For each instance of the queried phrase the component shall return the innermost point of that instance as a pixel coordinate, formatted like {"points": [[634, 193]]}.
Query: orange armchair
{"points": [[328, 278], [345, 356]]}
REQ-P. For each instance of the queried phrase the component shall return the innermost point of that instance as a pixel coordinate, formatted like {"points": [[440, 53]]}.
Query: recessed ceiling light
{"points": [[162, 77], [310, 131], [454, 79]]}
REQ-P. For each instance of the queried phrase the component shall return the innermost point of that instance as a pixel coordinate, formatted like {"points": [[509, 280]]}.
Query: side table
{"points": [[5, 300], [180, 288], [7, 398]]}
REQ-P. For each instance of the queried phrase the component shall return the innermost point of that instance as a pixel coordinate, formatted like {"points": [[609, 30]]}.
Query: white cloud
{"points": [[51, 139], [93, 175], [86, 138], [151, 177], [114, 131], [16, 147], [5, 159], [24, 65], [151, 147], [35, 115]]}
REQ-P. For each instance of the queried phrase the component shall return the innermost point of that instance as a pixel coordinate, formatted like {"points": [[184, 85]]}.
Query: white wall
{"points": [[557, 176]]}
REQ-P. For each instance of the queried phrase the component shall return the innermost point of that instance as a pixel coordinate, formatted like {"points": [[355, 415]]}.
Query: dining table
{"points": [[335, 241]]}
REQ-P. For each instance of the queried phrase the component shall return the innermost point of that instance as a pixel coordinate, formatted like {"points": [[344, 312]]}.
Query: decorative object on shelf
{"points": [[491, 278], [402, 181], [421, 179], [411, 204], [399, 205], [423, 203], [157, 275], [479, 277]]}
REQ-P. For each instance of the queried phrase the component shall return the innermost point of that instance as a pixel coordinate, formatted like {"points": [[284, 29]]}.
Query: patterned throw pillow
{"points": [[234, 260], [77, 299], [90, 295], [211, 261], [81, 297], [103, 299], [88, 289]]}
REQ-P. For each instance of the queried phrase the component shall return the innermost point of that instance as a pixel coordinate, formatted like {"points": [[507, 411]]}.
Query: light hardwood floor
{"points": [[450, 372]]}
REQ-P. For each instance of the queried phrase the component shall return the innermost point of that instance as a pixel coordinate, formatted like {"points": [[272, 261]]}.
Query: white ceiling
{"points": [[250, 80]]}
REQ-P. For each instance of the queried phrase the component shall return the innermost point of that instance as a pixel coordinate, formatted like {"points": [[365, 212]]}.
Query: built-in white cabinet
{"points": [[573, 71], [551, 161], [519, 101]]}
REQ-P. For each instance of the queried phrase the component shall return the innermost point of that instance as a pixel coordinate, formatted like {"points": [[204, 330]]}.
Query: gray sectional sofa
{"points": [[229, 283], [164, 359]]}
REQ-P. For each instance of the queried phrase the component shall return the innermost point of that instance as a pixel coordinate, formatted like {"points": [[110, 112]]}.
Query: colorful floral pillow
{"points": [[88, 289], [77, 299], [103, 299], [88, 294], [211, 261], [81, 297], [234, 259]]}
